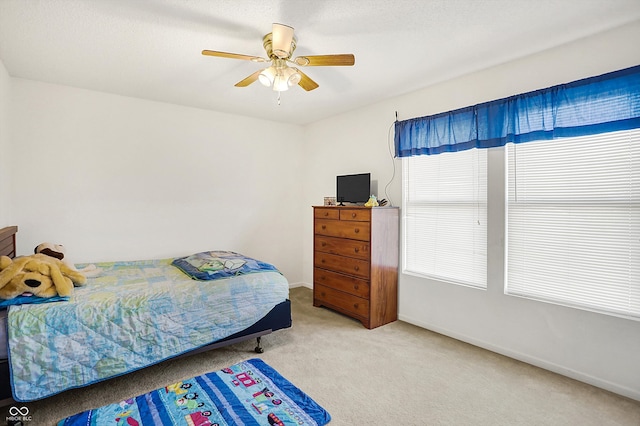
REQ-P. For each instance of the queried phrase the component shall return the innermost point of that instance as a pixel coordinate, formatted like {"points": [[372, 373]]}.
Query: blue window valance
{"points": [[605, 103]]}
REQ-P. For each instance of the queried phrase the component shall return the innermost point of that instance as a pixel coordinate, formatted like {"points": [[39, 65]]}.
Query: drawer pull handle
{"points": [[324, 226], [357, 268], [326, 213], [355, 287], [322, 294], [355, 305], [356, 230], [356, 249], [323, 244], [353, 215], [321, 260]]}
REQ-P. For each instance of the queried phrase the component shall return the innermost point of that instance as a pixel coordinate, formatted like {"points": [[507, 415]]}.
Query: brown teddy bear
{"points": [[38, 274], [58, 251]]}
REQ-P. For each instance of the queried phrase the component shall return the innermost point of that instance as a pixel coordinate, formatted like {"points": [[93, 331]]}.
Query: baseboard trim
{"points": [[294, 285], [538, 362]]}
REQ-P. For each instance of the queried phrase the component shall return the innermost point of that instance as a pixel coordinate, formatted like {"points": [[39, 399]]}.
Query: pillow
{"points": [[213, 265]]}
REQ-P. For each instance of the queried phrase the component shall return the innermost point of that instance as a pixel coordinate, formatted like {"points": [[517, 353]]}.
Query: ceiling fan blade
{"points": [[326, 60], [233, 56], [247, 81], [282, 37], [306, 83]]}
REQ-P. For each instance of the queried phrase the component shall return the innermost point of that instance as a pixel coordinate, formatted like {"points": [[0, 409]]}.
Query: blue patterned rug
{"points": [[247, 393]]}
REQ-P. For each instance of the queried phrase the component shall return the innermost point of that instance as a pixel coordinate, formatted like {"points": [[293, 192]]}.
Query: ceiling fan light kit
{"points": [[279, 45], [279, 76], [267, 76], [293, 76]]}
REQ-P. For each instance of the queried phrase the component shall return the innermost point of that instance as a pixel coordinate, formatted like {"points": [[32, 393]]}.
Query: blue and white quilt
{"points": [[214, 265], [133, 315]]}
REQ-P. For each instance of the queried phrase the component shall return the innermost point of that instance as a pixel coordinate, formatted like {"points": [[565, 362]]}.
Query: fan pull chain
{"points": [[278, 98]]}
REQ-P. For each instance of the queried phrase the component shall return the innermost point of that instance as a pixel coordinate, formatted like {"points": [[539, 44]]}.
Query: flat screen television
{"points": [[354, 189]]}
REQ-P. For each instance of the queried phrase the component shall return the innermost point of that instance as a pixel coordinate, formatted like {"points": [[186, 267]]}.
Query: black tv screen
{"points": [[353, 188]]}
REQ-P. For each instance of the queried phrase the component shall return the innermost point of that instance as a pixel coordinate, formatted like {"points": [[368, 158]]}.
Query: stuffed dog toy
{"points": [[38, 274], [58, 251]]}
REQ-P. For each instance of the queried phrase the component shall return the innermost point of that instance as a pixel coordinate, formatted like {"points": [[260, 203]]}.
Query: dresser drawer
{"points": [[346, 265], [328, 213], [343, 247], [360, 215], [350, 285], [352, 305], [343, 229]]}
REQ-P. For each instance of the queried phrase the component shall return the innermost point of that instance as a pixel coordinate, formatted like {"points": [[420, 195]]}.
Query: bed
{"points": [[132, 315]]}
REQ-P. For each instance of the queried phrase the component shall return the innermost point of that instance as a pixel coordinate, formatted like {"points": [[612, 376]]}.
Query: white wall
{"points": [[598, 349], [5, 148], [117, 178]]}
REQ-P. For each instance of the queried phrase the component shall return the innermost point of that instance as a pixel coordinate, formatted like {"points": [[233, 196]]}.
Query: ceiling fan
{"points": [[279, 45]]}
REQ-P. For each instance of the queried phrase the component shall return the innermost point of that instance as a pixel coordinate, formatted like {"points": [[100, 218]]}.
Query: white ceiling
{"points": [[151, 49]]}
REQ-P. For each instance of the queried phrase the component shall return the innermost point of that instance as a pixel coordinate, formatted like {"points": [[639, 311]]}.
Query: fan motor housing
{"points": [[267, 42]]}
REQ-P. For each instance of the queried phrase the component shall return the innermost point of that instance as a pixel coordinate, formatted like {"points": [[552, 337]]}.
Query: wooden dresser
{"points": [[355, 259]]}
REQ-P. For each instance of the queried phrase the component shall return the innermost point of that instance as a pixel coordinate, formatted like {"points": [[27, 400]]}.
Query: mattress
{"points": [[133, 315]]}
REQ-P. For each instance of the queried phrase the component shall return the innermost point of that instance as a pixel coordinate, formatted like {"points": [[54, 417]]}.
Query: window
{"points": [[445, 212], [573, 192], [573, 231]]}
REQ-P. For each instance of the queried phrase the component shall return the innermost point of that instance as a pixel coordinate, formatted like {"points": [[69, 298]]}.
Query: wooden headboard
{"points": [[8, 241]]}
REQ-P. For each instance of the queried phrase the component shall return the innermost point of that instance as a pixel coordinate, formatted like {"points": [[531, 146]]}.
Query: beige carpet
{"points": [[397, 374]]}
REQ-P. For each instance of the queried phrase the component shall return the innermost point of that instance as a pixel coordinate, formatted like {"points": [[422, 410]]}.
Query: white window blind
{"points": [[574, 222], [445, 216]]}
